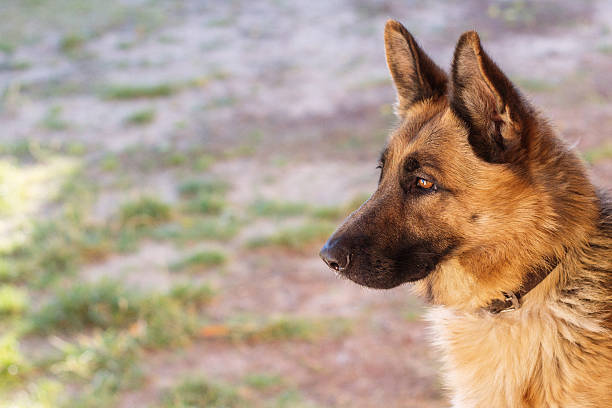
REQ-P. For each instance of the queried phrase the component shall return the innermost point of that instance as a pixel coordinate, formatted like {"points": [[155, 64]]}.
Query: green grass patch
{"points": [[198, 392], [110, 351], [328, 212], [13, 365], [196, 229], [127, 239], [140, 117], [280, 330], [51, 251], [192, 295], [27, 22], [105, 304], [39, 392], [201, 259], [110, 162], [7, 48], [242, 150], [8, 272], [95, 244], [296, 238], [283, 329], [598, 154], [195, 187], [154, 319], [166, 321], [20, 150], [291, 398], [56, 249], [204, 162], [206, 204], [204, 196], [127, 92], [31, 247], [75, 148], [53, 120], [535, 85], [101, 365], [16, 65], [175, 159], [13, 300], [146, 211], [71, 43], [262, 381], [272, 208]]}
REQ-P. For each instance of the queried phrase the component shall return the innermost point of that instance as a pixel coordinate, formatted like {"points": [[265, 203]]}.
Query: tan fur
{"points": [[542, 355], [550, 352], [512, 197]]}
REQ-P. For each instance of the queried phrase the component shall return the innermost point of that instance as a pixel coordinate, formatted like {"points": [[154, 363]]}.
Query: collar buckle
{"points": [[513, 299]]}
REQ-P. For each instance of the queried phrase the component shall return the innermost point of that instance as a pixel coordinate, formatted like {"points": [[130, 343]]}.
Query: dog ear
{"points": [[415, 75], [492, 108]]}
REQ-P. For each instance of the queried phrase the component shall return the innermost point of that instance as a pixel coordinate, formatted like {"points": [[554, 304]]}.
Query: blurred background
{"points": [[169, 170]]}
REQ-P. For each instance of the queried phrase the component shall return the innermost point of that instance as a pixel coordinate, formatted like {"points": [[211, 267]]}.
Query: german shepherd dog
{"points": [[494, 220]]}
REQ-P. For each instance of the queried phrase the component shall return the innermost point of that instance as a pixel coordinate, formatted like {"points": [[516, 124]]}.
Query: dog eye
{"points": [[424, 184]]}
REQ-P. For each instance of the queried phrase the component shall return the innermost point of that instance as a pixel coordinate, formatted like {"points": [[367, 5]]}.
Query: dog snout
{"points": [[335, 255]]}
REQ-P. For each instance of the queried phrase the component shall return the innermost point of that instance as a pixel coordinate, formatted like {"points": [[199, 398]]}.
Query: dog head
{"points": [[468, 194]]}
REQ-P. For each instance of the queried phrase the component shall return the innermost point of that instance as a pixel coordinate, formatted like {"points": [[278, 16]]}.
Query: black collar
{"points": [[512, 300]]}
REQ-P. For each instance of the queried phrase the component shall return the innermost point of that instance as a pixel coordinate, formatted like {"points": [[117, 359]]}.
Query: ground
{"points": [[169, 170]]}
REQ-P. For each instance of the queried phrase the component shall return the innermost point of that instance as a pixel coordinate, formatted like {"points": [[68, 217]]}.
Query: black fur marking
{"points": [[411, 164], [487, 143], [425, 81], [381, 163]]}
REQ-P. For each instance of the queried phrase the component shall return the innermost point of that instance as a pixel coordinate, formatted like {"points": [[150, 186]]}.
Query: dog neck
{"points": [[512, 300]]}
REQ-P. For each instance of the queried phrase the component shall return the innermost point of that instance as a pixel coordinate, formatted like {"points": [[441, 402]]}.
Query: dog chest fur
{"points": [[523, 358]]}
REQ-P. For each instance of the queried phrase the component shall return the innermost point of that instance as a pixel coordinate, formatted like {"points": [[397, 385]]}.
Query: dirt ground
{"points": [[292, 101]]}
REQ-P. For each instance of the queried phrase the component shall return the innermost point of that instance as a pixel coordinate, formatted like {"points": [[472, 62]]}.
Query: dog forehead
{"points": [[425, 128]]}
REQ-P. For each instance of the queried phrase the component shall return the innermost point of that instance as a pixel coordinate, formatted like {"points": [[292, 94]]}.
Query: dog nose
{"points": [[335, 256]]}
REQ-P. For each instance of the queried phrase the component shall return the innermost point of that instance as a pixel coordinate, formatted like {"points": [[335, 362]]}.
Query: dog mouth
{"points": [[378, 279], [375, 277], [380, 267]]}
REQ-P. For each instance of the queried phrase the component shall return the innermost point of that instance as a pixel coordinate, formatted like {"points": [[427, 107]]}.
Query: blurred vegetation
{"points": [[53, 120], [96, 330], [599, 153], [145, 211], [139, 91], [296, 238], [198, 392], [199, 259], [77, 20], [141, 117]]}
